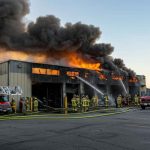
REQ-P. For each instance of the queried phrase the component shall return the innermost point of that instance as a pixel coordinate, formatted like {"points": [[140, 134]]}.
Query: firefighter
{"points": [[119, 101], [78, 102], [87, 103], [128, 99], [94, 102], [106, 100], [35, 104], [13, 105], [27, 104], [83, 101], [22, 105], [136, 100], [74, 103], [31, 103]]}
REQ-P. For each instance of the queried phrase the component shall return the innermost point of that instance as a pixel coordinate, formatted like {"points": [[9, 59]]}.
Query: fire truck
{"points": [[145, 102], [5, 92]]}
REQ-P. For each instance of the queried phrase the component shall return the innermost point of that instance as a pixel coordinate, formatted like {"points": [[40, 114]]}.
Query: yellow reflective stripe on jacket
{"points": [[83, 102], [74, 102]]}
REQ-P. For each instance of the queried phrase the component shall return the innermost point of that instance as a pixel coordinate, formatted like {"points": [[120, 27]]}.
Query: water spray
{"points": [[86, 82]]}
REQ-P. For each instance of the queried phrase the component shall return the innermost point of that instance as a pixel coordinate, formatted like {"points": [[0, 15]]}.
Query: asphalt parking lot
{"points": [[124, 131]]}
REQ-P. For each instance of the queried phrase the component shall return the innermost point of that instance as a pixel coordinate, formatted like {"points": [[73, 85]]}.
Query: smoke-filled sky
{"points": [[91, 29], [124, 23]]}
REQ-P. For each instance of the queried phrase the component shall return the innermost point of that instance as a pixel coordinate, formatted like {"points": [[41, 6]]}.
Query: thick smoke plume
{"points": [[47, 36], [11, 25], [120, 64]]}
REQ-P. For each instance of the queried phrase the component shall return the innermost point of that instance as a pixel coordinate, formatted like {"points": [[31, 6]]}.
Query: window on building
{"points": [[44, 71], [53, 72], [72, 73]]}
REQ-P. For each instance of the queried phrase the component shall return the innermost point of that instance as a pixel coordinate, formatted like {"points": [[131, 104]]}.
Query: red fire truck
{"points": [[5, 91], [5, 106], [145, 102]]}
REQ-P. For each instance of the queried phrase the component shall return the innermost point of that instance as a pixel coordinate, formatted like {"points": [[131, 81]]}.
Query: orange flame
{"points": [[21, 56], [76, 60], [117, 77], [133, 80], [66, 59], [102, 76]]}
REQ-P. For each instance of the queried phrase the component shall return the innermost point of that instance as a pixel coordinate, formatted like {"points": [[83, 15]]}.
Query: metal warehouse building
{"points": [[55, 82]]}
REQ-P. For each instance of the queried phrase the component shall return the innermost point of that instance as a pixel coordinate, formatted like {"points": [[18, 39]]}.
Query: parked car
{"points": [[145, 102], [5, 106]]}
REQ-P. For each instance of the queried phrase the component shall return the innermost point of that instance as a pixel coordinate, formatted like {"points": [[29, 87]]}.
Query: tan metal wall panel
{"points": [[20, 75], [4, 74]]}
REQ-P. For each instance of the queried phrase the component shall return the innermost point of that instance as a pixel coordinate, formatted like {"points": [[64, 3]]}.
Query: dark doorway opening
{"points": [[116, 90], [71, 89], [50, 91]]}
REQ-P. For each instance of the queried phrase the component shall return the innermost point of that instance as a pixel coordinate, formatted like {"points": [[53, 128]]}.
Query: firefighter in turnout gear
{"points": [[22, 105], [94, 102], [13, 105], [27, 104], [74, 103], [78, 102], [128, 99], [119, 101], [136, 100], [87, 103], [83, 101], [35, 104], [106, 101]]}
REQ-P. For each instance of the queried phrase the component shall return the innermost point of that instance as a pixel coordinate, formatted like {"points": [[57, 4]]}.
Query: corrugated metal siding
{"points": [[4, 74], [20, 74]]}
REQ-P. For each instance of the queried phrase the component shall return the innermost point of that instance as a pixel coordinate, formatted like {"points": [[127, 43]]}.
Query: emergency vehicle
{"points": [[145, 102], [5, 91], [5, 106]]}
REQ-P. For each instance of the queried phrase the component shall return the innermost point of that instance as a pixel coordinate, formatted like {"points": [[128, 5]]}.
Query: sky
{"points": [[124, 23]]}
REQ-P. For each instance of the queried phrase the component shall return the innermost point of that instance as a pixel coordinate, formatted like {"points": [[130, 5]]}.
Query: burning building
{"points": [[55, 82], [44, 57]]}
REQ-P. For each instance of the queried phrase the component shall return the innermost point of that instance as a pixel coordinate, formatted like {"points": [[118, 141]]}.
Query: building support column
{"points": [[63, 94], [82, 92]]}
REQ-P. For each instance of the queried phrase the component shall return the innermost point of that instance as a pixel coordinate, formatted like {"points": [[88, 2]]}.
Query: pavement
{"points": [[127, 130]]}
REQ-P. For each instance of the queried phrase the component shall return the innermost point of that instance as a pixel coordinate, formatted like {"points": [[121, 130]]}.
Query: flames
{"points": [[133, 80], [114, 77], [65, 59], [102, 77], [21, 56], [71, 59], [75, 60]]}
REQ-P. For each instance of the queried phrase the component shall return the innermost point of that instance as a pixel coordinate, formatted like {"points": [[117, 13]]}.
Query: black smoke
{"points": [[46, 35], [120, 64], [11, 25]]}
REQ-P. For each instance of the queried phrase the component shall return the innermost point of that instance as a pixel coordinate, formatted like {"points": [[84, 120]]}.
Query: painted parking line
{"points": [[63, 115], [68, 114], [60, 117]]}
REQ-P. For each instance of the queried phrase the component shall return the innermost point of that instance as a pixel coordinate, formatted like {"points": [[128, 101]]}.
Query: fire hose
{"points": [[52, 108]]}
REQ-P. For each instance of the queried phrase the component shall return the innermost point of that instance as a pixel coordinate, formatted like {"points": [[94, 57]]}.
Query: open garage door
{"points": [[50, 91]]}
